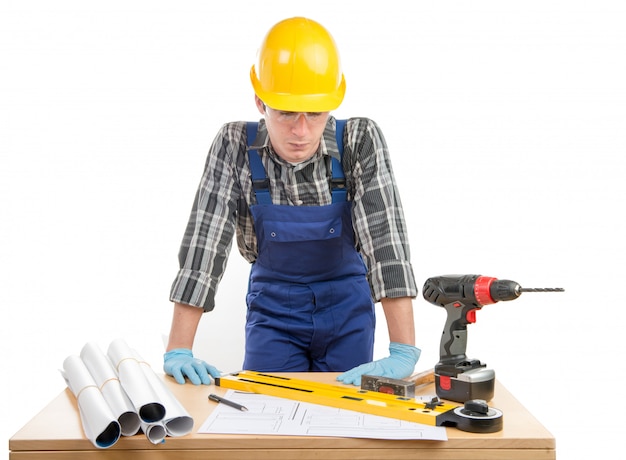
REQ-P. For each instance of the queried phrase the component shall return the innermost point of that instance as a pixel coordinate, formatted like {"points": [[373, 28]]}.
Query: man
{"points": [[318, 260]]}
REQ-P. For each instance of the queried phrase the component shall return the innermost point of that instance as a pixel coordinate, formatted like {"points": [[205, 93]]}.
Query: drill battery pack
{"points": [[472, 384]]}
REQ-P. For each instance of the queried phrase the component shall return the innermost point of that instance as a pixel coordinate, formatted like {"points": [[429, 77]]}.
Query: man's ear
{"points": [[259, 104]]}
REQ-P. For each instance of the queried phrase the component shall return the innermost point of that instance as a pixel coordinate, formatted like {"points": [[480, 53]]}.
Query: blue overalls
{"points": [[309, 302]]}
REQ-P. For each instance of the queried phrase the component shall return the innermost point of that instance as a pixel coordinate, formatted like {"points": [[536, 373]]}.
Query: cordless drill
{"points": [[458, 378]]}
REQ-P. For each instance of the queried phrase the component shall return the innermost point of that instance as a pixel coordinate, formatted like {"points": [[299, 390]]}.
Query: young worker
{"points": [[318, 264]]}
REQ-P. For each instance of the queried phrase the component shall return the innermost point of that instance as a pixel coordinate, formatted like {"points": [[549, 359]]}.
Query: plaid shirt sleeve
{"points": [[378, 217], [209, 234]]}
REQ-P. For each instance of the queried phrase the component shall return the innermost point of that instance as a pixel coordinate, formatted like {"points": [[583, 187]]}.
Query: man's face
{"points": [[295, 136]]}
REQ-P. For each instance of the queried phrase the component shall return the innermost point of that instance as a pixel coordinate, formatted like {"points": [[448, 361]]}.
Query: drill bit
{"points": [[541, 290]]}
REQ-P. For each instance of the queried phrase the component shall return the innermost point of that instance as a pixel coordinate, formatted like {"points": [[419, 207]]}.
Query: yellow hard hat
{"points": [[298, 68]]}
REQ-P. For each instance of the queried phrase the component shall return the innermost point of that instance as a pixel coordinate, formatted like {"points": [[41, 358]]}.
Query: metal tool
{"points": [[458, 378], [387, 385], [398, 387], [477, 417]]}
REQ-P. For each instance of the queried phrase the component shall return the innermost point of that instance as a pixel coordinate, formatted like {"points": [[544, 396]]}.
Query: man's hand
{"points": [[401, 363], [180, 363]]}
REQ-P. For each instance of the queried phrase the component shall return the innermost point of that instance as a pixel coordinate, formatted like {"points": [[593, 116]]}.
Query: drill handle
{"points": [[453, 346], [454, 337]]}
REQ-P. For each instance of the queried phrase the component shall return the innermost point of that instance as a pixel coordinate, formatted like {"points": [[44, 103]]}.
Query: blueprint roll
{"points": [[134, 382], [177, 420], [106, 379], [155, 432], [99, 423]]}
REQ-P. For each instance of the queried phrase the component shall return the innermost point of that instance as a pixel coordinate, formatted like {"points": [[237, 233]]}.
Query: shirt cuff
{"points": [[392, 278], [194, 288]]}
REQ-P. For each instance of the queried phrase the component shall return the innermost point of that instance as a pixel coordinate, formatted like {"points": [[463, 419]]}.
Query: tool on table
{"points": [[399, 387], [228, 402], [388, 385], [458, 378], [474, 416]]}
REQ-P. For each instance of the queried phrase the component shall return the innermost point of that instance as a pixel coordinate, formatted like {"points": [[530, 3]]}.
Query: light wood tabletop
{"points": [[56, 433]]}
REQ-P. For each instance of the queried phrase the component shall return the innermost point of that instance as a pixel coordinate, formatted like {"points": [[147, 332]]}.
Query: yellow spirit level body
{"points": [[434, 413]]}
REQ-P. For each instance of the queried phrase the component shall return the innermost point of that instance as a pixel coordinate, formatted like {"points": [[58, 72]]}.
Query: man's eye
{"points": [[314, 114]]}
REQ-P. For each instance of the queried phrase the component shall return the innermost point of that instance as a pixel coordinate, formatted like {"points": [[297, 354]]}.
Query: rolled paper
{"points": [[155, 432], [99, 423], [177, 420], [134, 382], [106, 379]]}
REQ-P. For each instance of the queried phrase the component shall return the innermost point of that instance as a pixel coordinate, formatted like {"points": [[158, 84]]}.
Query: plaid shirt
{"points": [[221, 208]]}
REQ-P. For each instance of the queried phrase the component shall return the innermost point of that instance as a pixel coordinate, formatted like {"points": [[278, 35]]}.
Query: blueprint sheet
{"points": [[269, 415]]}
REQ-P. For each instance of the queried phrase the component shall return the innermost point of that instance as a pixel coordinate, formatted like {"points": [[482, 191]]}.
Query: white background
{"points": [[506, 123]]}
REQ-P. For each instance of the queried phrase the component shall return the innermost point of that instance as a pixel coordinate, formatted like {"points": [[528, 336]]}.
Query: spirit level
{"points": [[477, 417]]}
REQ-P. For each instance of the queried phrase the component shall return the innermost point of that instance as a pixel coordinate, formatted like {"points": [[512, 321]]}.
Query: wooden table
{"points": [[56, 434]]}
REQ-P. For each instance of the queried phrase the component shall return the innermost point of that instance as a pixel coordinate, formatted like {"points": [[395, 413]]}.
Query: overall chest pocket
{"points": [[303, 247]]}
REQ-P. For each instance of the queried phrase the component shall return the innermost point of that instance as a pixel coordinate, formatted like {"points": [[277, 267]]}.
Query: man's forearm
{"points": [[185, 322], [400, 321]]}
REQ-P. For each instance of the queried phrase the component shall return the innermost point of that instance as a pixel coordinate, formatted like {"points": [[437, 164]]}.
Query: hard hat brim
{"points": [[299, 102]]}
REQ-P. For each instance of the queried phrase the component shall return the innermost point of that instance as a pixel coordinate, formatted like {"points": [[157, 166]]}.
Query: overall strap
{"points": [[338, 182], [261, 184]]}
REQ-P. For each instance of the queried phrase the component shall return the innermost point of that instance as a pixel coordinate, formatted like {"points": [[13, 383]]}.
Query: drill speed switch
{"points": [[458, 378]]}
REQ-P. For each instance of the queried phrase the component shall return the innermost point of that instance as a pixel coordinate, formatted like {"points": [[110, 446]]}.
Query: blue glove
{"points": [[180, 363], [401, 363]]}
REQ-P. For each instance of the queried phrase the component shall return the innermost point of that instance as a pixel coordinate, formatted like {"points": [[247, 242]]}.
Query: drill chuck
{"points": [[504, 290], [510, 290]]}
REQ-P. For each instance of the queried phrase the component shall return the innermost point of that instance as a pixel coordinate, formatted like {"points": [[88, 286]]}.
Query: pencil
{"points": [[228, 402]]}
